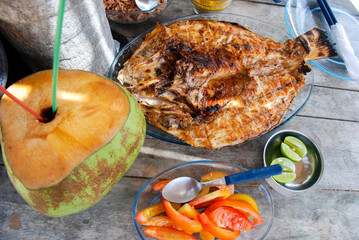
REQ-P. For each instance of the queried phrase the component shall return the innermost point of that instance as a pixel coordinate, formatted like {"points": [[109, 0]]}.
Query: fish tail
{"points": [[316, 43]]}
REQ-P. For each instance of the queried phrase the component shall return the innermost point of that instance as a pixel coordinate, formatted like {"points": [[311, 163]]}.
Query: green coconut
{"points": [[69, 163]]}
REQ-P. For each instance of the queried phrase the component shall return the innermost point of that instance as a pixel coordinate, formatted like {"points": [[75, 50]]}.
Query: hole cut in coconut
{"points": [[47, 114]]}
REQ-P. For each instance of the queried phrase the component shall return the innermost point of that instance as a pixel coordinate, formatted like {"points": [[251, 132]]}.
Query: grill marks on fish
{"points": [[215, 84]]}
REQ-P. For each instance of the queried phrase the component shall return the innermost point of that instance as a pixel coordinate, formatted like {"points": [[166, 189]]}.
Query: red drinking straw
{"points": [[3, 90]]}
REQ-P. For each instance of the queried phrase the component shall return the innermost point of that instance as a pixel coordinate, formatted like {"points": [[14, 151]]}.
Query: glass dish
{"points": [[257, 189], [255, 25], [137, 16], [303, 15]]}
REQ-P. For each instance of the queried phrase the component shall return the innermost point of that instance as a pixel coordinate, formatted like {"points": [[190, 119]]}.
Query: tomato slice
{"points": [[159, 221], [160, 185], [167, 233], [180, 220], [216, 231], [245, 198], [214, 175], [239, 205], [209, 198], [149, 212], [230, 218]]}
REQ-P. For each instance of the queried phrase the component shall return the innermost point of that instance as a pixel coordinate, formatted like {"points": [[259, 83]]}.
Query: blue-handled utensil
{"points": [[184, 189], [327, 12], [341, 39]]}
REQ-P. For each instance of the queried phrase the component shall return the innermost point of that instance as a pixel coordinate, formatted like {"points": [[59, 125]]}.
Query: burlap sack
{"points": [[87, 43]]}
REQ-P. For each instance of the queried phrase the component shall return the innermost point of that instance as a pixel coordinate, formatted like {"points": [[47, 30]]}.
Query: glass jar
{"points": [[201, 6]]}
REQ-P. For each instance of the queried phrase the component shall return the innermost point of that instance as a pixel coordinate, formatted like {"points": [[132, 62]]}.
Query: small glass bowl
{"points": [[257, 189], [137, 16], [308, 171]]}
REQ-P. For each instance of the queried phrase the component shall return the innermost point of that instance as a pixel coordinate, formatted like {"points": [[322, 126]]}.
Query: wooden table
{"points": [[328, 211]]}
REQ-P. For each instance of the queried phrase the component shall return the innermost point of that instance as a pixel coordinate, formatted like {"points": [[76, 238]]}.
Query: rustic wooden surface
{"points": [[328, 211]]}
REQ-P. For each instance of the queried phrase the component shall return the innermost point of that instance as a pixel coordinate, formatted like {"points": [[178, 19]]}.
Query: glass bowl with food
{"points": [[153, 216], [127, 12]]}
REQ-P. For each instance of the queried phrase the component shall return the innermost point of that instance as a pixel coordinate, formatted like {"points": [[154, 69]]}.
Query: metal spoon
{"points": [[146, 5], [184, 189]]}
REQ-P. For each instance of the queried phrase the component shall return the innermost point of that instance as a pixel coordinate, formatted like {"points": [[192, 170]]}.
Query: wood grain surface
{"points": [[328, 211]]}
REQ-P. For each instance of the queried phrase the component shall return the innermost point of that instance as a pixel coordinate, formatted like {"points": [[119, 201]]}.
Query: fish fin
{"points": [[316, 44]]}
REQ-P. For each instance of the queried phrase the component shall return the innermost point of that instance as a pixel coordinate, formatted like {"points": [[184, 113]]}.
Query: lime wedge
{"points": [[296, 144], [285, 177], [289, 152], [288, 166]]}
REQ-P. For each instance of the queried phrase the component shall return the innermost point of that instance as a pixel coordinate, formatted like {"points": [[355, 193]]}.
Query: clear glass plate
{"points": [[138, 16], [303, 15], [257, 189], [254, 25]]}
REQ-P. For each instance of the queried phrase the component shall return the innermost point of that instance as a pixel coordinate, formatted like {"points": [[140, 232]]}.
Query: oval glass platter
{"points": [[252, 24], [303, 15]]}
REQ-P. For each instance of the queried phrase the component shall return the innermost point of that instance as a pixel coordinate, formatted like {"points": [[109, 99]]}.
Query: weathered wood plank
{"points": [[316, 214], [109, 219], [340, 153], [328, 211], [324, 79], [330, 103], [319, 214]]}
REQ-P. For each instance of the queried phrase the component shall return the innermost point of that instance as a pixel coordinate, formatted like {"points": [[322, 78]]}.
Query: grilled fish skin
{"points": [[216, 84]]}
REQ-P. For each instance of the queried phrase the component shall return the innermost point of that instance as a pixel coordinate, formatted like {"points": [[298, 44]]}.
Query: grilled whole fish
{"points": [[215, 84]]}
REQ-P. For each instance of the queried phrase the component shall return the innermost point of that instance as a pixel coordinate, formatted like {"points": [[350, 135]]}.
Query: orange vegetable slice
{"points": [[145, 214], [160, 185], [188, 211], [214, 175], [166, 233], [209, 198], [180, 220], [159, 221], [245, 198]]}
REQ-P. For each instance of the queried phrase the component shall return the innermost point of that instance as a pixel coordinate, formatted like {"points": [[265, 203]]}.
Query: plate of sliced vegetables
{"points": [[240, 211]]}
